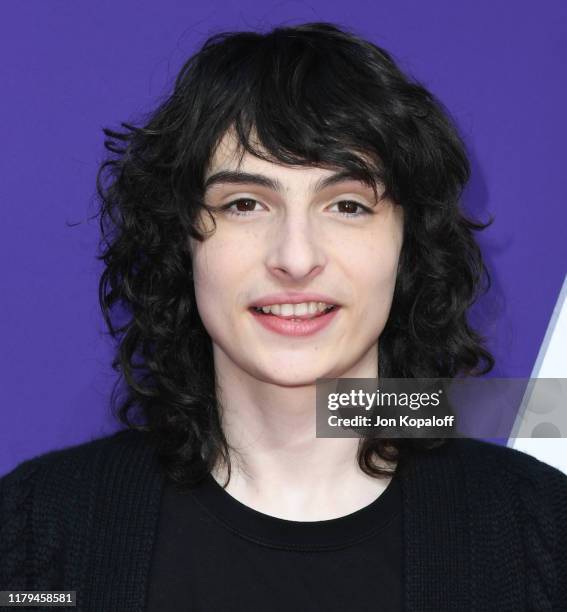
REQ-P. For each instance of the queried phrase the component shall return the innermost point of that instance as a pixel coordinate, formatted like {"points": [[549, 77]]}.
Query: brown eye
{"points": [[240, 207], [350, 208], [245, 205]]}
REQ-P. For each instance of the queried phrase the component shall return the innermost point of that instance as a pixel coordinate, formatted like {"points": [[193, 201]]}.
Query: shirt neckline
{"points": [[276, 532]]}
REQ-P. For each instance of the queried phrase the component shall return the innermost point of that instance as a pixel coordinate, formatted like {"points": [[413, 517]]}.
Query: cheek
{"points": [[375, 265], [376, 273], [218, 272]]}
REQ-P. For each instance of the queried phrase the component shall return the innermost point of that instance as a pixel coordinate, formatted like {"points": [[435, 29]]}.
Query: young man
{"points": [[290, 213]]}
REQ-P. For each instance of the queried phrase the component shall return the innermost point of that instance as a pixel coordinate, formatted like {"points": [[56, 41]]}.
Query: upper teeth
{"points": [[296, 309]]}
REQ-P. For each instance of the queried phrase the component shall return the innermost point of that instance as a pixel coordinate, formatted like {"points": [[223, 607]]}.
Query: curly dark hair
{"points": [[314, 95]]}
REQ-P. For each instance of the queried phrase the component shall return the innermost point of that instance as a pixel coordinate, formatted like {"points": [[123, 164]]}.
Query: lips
{"points": [[293, 297], [298, 317], [295, 326]]}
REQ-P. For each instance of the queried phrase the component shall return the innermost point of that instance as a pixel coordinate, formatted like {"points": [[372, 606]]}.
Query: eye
{"points": [[352, 206], [246, 205], [242, 207]]}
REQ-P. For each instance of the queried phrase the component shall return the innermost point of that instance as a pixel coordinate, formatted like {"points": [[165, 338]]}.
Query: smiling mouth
{"points": [[294, 317]]}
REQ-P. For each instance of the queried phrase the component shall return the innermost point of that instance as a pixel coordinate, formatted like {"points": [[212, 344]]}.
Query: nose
{"points": [[295, 250]]}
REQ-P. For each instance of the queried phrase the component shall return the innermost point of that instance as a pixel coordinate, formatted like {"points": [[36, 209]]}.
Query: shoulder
{"points": [[531, 495], [482, 455], [58, 466], [541, 487], [511, 501], [524, 490], [489, 474], [51, 497], [50, 474], [493, 465]]}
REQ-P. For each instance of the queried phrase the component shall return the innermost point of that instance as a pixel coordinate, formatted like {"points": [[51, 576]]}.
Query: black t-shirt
{"points": [[215, 553]]}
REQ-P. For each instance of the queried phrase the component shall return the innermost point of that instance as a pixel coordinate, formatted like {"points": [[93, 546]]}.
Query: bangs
{"points": [[288, 106]]}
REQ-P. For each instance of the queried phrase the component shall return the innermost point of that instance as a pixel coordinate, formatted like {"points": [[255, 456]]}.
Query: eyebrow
{"points": [[237, 177]]}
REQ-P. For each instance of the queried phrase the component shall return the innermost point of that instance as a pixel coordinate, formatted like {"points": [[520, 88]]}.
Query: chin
{"points": [[284, 378]]}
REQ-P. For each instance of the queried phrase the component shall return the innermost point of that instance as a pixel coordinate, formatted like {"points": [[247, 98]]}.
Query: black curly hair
{"points": [[313, 95]]}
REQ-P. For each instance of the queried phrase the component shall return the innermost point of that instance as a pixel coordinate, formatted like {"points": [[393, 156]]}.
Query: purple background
{"points": [[70, 68]]}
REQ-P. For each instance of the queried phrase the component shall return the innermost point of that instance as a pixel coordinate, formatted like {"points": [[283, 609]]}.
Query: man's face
{"points": [[294, 239]]}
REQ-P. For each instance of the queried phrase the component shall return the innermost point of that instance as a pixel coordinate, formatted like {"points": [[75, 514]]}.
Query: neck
{"points": [[278, 465]]}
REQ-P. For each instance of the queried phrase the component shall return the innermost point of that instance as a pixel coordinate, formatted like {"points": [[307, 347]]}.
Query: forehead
{"points": [[230, 156]]}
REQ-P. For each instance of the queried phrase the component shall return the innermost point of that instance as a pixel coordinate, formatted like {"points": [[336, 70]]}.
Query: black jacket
{"points": [[485, 527]]}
